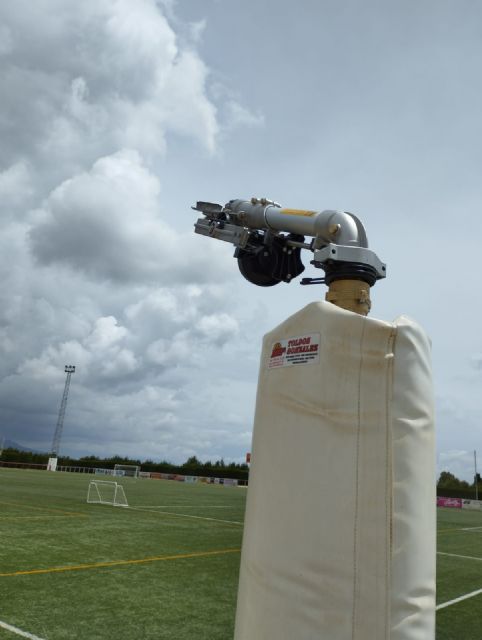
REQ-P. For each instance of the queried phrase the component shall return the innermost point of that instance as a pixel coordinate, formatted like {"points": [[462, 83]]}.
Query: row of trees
{"points": [[192, 466], [450, 486], [447, 480]]}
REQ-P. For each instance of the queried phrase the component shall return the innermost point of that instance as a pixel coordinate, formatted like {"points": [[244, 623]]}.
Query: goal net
{"points": [[126, 470], [106, 492]]}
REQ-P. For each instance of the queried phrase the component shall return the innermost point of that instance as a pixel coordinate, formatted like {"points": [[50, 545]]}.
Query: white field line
{"points": [[456, 555], [471, 529], [185, 515], [19, 632], [187, 506], [472, 594], [455, 600]]}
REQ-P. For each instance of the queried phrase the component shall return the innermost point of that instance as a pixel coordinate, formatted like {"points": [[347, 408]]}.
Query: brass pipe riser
{"points": [[352, 295]]}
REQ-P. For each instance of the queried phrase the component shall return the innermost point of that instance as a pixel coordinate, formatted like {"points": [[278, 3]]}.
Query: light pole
{"points": [[69, 370], [475, 476]]}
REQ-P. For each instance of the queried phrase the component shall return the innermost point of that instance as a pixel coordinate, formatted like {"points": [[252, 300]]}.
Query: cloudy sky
{"points": [[117, 115]]}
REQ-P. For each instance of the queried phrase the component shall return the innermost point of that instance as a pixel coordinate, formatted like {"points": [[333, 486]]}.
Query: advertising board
{"points": [[455, 503]]}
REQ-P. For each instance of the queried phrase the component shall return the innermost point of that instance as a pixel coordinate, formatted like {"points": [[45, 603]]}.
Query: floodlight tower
{"points": [[69, 370]]}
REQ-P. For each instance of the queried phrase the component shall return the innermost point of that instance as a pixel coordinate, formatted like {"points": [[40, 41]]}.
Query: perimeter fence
{"points": [[142, 474]]}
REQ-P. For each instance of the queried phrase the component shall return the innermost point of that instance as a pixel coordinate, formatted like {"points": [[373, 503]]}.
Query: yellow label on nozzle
{"points": [[298, 212]]}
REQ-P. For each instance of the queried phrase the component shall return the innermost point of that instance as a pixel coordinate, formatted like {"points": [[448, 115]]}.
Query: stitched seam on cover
{"points": [[389, 477], [357, 473]]}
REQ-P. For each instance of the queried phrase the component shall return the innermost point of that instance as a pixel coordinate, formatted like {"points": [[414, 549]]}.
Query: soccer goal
{"points": [[106, 492], [127, 470]]}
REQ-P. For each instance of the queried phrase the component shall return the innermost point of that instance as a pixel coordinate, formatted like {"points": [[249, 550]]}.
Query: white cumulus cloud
{"points": [[96, 272]]}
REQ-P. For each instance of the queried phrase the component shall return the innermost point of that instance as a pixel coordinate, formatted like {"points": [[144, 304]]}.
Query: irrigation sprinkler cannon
{"points": [[268, 241], [339, 538]]}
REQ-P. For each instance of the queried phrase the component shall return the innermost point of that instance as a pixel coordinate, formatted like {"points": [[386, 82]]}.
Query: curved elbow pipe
{"points": [[339, 227]]}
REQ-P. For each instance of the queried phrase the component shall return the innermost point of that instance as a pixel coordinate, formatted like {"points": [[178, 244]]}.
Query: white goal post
{"points": [[106, 492], [131, 470]]}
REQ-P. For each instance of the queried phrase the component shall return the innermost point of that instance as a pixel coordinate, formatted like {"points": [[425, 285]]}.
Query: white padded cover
{"points": [[339, 540]]}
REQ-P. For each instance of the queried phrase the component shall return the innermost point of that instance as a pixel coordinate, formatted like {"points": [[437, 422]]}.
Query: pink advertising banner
{"points": [[449, 502]]}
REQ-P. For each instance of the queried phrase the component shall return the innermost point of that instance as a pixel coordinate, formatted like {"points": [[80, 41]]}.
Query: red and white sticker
{"points": [[297, 350]]}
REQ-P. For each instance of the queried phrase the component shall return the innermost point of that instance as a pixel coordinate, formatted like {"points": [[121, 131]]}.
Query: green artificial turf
{"points": [[177, 554], [48, 530], [458, 574]]}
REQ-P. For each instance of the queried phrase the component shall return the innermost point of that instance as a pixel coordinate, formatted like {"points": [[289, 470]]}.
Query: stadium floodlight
{"points": [[476, 476], [69, 370]]}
